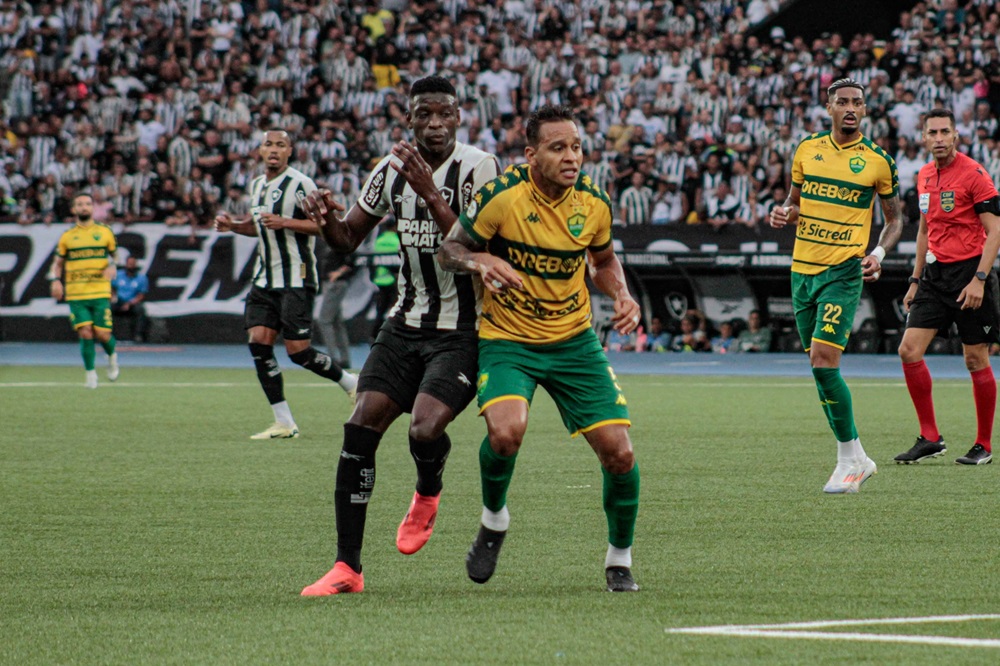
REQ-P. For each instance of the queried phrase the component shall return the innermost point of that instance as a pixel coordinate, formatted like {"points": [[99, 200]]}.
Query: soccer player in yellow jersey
{"points": [[835, 177], [531, 234], [82, 273]]}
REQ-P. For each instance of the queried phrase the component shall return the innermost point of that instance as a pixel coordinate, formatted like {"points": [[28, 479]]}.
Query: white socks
{"points": [[283, 414], [347, 381], [850, 451], [498, 521], [618, 557]]}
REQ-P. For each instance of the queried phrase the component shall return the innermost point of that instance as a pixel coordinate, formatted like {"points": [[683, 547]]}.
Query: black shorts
{"points": [[936, 306], [286, 310], [405, 361]]}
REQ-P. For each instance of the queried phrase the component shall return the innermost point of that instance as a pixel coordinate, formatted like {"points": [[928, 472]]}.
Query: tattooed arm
{"points": [[460, 253], [871, 266]]}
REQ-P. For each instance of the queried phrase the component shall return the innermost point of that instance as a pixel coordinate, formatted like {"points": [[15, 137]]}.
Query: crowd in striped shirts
{"points": [[688, 116]]}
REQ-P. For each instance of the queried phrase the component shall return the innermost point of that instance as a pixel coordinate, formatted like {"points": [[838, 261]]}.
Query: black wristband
{"points": [[913, 280]]}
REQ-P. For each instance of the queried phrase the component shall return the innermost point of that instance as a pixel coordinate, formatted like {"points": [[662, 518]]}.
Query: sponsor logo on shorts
{"points": [[829, 329]]}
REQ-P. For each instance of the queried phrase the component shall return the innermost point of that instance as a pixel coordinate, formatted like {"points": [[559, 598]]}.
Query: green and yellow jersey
{"points": [[837, 187], [546, 242], [86, 253]]}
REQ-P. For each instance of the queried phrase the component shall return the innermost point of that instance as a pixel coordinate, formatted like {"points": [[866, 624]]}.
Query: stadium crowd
{"points": [[155, 106]]}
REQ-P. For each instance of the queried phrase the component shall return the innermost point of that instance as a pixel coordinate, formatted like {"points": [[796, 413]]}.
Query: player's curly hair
{"points": [[546, 114], [432, 84], [843, 83]]}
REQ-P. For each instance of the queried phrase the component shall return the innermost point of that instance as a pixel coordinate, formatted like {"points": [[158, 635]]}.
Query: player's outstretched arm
{"points": [[608, 275], [277, 222], [460, 253], [342, 234], [224, 222]]}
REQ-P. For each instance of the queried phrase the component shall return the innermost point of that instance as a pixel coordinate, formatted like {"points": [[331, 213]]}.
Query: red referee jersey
{"points": [[946, 198]]}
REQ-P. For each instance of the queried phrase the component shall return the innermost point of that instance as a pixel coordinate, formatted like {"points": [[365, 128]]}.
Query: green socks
{"points": [[495, 472], [109, 346], [621, 493], [621, 504], [836, 400], [88, 353]]}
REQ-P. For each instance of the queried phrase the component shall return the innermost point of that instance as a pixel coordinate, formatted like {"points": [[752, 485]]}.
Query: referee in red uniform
{"points": [[952, 281]]}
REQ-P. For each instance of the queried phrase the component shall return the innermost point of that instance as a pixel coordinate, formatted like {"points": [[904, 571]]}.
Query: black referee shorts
{"points": [[286, 310], [405, 361], [936, 306]]}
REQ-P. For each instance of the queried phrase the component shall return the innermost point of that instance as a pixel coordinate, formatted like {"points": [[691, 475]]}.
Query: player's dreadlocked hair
{"points": [[545, 114], [432, 84], [843, 83]]}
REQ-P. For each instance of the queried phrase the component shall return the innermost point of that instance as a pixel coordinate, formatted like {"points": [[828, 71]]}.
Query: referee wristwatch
{"points": [[913, 280], [981, 276]]}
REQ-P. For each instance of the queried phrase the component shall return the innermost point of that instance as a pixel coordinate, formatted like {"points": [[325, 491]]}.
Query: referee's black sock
{"points": [[430, 458], [268, 372], [355, 483], [317, 362]]}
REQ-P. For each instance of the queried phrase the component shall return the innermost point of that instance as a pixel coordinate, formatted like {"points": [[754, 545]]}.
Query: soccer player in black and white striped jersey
{"points": [[285, 279], [425, 359]]}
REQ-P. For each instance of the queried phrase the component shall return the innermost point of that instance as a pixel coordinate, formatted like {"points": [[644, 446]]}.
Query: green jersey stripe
{"points": [[823, 219], [537, 261], [819, 242]]}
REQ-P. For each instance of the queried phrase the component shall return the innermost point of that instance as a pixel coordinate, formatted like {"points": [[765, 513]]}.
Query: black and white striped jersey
{"points": [[427, 296], [285, 258]]}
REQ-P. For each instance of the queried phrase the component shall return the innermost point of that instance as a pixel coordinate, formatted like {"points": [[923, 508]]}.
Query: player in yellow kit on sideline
{"points": [[531, 234], [82, 272]]}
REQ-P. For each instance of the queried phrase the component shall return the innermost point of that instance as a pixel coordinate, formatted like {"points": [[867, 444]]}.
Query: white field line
{"points": [[108, 385], [855, 384], [796, 630]]}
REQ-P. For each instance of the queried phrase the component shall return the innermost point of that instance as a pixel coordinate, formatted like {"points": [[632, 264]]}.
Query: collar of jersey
{"points": [[276, 178], [838, 147]]}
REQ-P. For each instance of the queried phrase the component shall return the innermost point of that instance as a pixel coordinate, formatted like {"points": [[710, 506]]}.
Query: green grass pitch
{"points": [[140, 525]]}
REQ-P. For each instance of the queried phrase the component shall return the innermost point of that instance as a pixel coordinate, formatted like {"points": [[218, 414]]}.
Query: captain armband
{"points": [[988, 206]]}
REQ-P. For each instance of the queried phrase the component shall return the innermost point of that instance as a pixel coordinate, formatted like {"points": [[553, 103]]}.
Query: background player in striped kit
{"points": [[285, 279], [424, 359]]}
